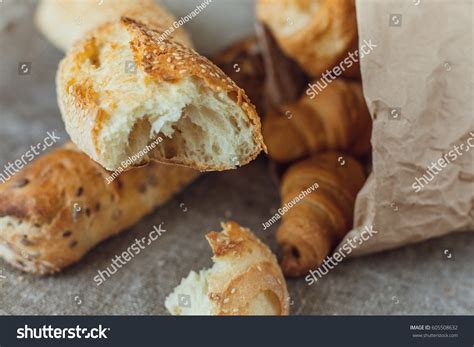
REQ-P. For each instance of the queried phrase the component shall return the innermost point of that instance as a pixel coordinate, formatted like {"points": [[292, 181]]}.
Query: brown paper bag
{"points": [[418, 84]]}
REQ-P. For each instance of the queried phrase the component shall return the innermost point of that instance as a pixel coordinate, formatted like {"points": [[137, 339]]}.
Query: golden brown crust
{"points": [[335, 119], [260, 274], [314, 225], [60, 206], [243, 63], [64, 22], [322, 41], [157, 59], [82, 102]]}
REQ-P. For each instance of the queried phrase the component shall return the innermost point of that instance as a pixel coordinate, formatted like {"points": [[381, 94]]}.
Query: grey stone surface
{"points": [[417, 279]]}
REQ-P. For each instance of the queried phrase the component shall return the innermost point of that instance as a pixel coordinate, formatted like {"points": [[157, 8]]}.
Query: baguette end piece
{"points": [[244, 280]]}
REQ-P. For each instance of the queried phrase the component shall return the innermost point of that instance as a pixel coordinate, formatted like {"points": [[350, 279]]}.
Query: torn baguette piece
{"points": [[126, 86], [242, 61], [76, 17], [60, 206], [245, 279]]}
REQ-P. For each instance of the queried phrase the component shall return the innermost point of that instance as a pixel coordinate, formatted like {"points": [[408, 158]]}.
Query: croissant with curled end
{"points": [[318, 220]]}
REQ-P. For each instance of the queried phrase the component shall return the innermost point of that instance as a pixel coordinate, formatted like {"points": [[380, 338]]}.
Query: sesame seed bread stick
{"points": [[206, 121], [60, 206]]}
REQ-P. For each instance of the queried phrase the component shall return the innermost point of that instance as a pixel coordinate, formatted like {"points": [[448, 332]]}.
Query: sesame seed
{"points": [[203, 71], [182, 71], [21, 183], [235, 310], [259, 268], [233, 290], [226, 300], [168, 60]]}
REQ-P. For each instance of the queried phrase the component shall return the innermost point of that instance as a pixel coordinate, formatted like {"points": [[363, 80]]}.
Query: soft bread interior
{"points": [[198, 288], [190, 297], [195, 123]]}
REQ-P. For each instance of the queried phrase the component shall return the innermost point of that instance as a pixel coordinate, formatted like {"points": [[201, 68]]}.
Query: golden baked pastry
{"points": [[318, 34], [60, 206], [337, 118], [245, 279], [320, 217], [125, 86]]}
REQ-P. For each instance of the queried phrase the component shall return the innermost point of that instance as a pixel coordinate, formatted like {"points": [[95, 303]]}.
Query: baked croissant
{"points": [[318, 195], [337, 118], [318, 34]]}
